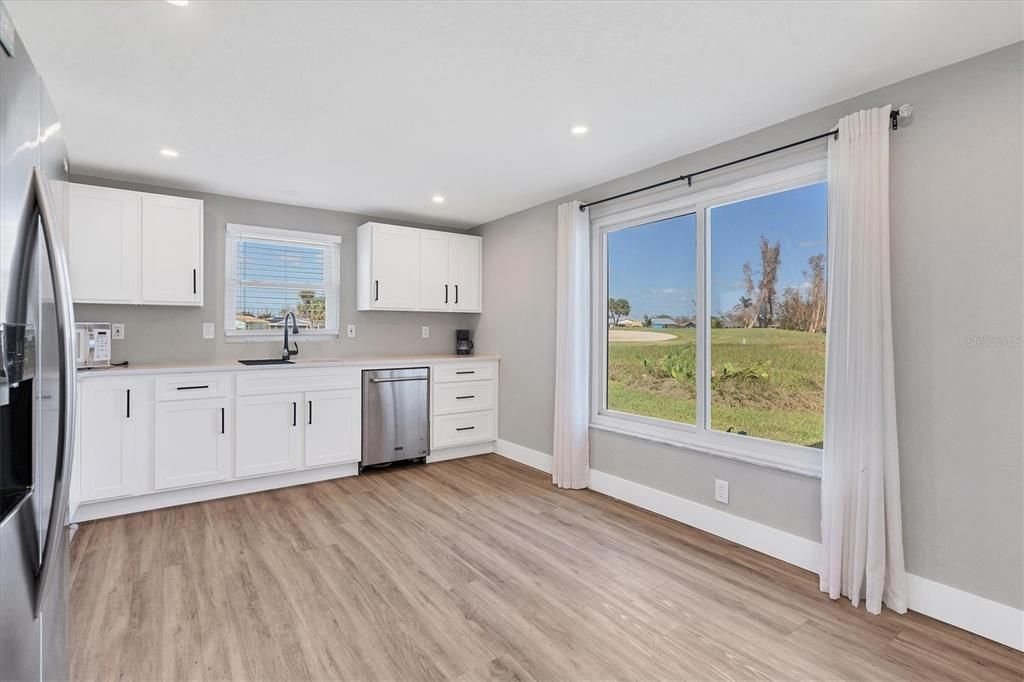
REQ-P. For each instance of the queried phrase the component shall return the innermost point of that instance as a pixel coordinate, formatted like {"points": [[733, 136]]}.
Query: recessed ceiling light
{"points": [[178, 3], [169, 152], [437, 199], [580, 130]]}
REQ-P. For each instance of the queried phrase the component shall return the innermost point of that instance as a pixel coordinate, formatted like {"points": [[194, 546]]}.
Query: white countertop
{"points": [[364, 362]]}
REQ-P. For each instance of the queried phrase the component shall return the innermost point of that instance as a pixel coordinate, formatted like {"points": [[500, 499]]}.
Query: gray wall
{"points": [[956, 274], [173, 333]]}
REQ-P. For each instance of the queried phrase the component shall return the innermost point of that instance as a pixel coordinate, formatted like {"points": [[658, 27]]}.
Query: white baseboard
{"points": [[990, 619], [524, 455], [89, 511], [461, 451]]}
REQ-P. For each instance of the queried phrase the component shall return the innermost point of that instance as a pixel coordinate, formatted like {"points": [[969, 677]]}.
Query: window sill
{"points": [[279, 338], [792, 459]]}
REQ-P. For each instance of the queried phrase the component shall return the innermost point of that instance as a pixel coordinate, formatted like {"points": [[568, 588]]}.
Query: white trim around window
{"points": [[696, 437], [329, 282]]}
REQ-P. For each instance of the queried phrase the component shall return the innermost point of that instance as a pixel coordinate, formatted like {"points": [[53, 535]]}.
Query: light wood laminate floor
{"points": [[469, 569]]}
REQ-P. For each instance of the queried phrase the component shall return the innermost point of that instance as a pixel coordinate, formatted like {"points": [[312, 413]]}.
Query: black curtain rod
{"points": [[688, 178]]}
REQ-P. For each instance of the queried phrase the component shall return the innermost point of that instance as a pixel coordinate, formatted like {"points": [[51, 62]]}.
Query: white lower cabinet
{"points": [[192, 442], [166, 438], [268, 433], [332, 427], [110, 437]]}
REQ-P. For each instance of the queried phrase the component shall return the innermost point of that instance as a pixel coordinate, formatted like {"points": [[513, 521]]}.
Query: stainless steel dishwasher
{"points": [[396, 415]]}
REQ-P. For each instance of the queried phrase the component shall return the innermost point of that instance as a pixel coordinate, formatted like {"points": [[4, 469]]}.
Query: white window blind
{"points": [[270, 272]]}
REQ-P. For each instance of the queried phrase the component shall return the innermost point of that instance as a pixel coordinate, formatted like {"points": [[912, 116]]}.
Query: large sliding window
{"points": [[710, 313]]}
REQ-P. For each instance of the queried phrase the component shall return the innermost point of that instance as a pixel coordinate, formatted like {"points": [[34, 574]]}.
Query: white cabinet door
{"points": [[395, 268], [192, 441], [333, 427], [268, 433], [172, 250], [103, 244], [464, 259], [435, 287], [108, 447]]}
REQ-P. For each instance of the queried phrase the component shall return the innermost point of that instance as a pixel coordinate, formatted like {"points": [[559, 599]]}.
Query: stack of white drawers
{"points": [[464, 402]]}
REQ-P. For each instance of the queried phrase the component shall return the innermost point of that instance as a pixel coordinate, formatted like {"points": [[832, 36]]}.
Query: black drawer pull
{"points": [[192, 388], [376, 289], [295, 414], [194, 290], [465, 428], [446, 293], [466, 371], [464, 397], [222, 420], [128, 404], [310, 411]]}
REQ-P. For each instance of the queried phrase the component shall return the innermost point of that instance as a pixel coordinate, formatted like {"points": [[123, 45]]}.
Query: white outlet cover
{"points": [[209, 330], [722, 491], [117, 330], [351, 331], [426, 332]]}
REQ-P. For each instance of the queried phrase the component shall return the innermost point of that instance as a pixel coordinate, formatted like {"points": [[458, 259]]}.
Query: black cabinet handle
{"points": [[310, 411], [295, 413], [128, 404], [192, 388], [445, 293], [464, 397], [466, 371], [465, 428], [194, 290], [222, 420], [456, 294], [376, 289]]}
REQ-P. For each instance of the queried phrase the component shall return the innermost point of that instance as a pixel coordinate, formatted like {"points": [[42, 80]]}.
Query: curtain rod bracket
{"points": [[894, 118]]}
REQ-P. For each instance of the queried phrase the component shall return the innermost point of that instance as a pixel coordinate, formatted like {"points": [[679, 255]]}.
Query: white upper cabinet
{"points": [[134, 247], [464, 256], [435, 284], [172, 250], [406, 268], [388, 267], [103, 242]]}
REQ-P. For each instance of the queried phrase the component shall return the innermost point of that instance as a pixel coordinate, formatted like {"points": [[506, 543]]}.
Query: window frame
{"points": [[331, 285], [697, 437]]}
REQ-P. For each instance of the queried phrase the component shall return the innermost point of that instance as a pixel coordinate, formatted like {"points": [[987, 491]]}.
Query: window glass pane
{"points": [[264, 308], [279, 262], [767, 301], [652, 339]]}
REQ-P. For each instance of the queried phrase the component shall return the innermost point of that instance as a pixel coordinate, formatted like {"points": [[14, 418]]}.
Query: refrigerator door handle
{"points": [[43, 208]]}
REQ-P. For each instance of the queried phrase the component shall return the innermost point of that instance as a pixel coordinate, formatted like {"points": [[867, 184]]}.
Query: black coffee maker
{"points": [[463, 344]]}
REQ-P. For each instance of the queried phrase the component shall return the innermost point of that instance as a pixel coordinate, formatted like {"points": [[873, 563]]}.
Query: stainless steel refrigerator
{"points": [[37, 374]]}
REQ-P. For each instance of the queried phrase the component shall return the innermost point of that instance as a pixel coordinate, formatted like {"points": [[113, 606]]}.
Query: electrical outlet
{"points": [[117, 330], [426, 332], [209, 330], [722, 491], [351, 331]]}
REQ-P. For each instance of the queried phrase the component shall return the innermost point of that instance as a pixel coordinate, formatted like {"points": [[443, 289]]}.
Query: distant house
{"points": [[631, 323], [667, 323]]}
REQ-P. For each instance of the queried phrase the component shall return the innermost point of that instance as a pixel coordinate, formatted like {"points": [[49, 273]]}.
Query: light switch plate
{"points": [[351, 331], [117, 330], [209, 330], [426, 332]]}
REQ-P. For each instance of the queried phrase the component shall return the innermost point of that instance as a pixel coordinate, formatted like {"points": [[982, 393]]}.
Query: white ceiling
{"points": [[374, 107]]}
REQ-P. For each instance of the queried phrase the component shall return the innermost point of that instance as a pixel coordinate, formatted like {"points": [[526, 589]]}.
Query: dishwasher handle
{"points": [[388, 380]]}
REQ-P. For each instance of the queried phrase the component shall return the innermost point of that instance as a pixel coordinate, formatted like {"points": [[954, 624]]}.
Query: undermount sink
{"points": [[267, 361]]}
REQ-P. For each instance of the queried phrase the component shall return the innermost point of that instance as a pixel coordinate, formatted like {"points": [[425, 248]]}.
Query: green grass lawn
{"points": [[765, 382]]}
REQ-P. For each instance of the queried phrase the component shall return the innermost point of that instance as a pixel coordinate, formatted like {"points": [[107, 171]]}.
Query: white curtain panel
{"points": [[861, 529], [571, 448]]}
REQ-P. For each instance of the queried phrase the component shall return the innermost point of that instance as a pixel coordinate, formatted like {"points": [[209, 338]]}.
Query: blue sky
{"points": [[654, 265]]}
